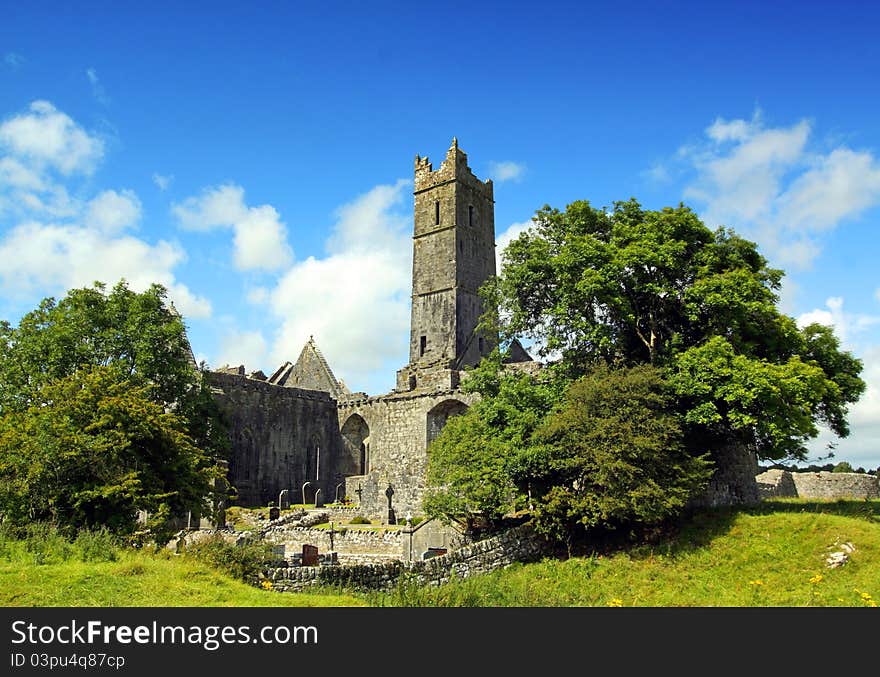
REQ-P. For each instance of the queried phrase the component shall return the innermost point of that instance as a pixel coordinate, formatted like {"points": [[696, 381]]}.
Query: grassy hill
{"points": [[772, 555]]}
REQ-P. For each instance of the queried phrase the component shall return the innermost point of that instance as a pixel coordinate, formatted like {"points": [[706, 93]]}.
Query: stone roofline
{"points": [[323, 362], [222, 378], [453, 168]]}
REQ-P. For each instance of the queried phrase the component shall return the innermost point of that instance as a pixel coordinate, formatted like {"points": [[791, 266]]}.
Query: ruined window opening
{"points": [[481, 344], [437, 212], [470, 215], [423, 345]]}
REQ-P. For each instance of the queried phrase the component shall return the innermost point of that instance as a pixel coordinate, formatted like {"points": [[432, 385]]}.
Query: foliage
{"points": [[843, 466], [638, 286], [359, 519], [123, 361], [43, 544], [617, 455], [136, 333], [243, 561], [479, 466], [91, 450]]}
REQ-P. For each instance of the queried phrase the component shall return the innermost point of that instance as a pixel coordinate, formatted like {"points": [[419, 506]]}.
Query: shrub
{"points": [[244, 561], [359, 519]]}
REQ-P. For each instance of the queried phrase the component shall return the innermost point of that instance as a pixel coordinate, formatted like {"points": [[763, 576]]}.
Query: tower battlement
{"points": [[453, 168], [453, 255]]}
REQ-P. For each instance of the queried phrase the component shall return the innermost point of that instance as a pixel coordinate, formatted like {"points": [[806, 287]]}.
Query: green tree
{"points": [[92, 449], [618, 455], [843, 466], [638, 286], [479, 467], [136, 335]]}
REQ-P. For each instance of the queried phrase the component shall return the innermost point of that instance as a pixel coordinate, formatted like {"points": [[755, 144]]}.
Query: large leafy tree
{"points": [[616, 450], [92, 449], [139, 337], [637, 286]]}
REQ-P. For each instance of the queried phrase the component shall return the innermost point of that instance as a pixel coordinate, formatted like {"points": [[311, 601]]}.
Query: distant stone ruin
{"points": [[817, 485]]}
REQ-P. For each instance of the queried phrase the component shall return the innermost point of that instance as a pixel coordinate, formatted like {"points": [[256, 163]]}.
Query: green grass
{"points": [[767, 556], [47, 571], [771, 555]]}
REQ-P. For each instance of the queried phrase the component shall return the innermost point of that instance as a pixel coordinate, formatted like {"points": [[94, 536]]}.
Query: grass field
{"points": [[772, 555]]}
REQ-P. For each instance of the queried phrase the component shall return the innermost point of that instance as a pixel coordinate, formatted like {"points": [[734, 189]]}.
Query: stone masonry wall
{"points": [[281, 438], [519, 544], [818, 485], [348, 542], [398, 430], [734, 480]]}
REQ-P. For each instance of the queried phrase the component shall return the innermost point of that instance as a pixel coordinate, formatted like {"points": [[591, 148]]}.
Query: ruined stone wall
{"points": [[520, 544], [734, 480], [818, 485], [398, 433], [281, 437], [349, 543]]}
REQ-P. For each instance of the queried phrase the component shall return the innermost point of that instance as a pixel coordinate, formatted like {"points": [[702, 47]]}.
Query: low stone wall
{"points": [[347, 541], [519, 544], [817, 485]]}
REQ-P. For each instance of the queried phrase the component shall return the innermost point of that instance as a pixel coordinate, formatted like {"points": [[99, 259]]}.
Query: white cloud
{"points": [[841, 184], [260, 237], [862, 446], [40, 257], [506, 171], [847, 326], [356, 301], [46, 136], [767, 184], [162, 182], [111, 212], [52, 241], [246, 347]]}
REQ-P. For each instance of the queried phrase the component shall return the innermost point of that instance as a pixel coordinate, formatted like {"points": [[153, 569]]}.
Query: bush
{"points": [[359, 519], [244, 561], [44, 543]]}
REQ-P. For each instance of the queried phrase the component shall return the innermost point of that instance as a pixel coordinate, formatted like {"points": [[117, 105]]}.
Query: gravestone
{"points": [[284, 499], [274, 513], [310, 555]]}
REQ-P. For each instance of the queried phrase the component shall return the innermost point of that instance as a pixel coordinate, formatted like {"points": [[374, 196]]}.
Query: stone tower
{"points": [[453, 255]]}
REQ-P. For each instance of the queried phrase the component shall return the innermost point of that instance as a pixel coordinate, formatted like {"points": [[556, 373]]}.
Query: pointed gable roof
{"points": [[311, 372]]}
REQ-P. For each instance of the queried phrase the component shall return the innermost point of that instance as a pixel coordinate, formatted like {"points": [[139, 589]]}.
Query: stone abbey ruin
{"points": [[302, 431]]}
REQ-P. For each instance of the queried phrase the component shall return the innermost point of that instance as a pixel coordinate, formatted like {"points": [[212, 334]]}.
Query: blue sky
{"points": [[258, 160]]}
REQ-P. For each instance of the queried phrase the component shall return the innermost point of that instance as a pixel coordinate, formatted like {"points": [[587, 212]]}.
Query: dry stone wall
{"points": [[817, 485], [519, 544]]}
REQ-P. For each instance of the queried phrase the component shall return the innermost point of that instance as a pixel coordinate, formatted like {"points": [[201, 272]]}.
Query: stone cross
{"points": [[389, 492]]}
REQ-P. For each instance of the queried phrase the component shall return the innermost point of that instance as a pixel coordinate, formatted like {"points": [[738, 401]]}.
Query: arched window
{"points": [[356, 438], [440, 414]]}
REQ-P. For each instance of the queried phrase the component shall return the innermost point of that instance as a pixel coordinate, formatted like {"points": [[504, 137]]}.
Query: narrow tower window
{"points": [[470, 215], [481, 345], [423, 345], [437, 212]]}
